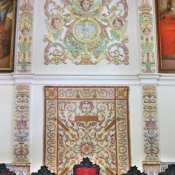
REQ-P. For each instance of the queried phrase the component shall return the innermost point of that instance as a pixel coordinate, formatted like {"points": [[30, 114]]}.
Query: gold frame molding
{"points": [[7, 60]]}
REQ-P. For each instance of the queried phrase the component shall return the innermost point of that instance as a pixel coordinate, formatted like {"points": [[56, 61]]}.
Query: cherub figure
{"points": [[117, 23], [146, 31], [55, 28], [56, 23], [85, 7], [86, 4], [118, 28], [25, 31]]}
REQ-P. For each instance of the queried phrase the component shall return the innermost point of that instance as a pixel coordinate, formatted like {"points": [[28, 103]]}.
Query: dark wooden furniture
{"points": [[5, 171], [134, 171], [43, 171], [169, 171], [85, 167]]}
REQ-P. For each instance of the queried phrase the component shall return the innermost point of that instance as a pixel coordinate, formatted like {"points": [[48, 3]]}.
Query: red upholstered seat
{"points": [[86, 171], [86, 168]]}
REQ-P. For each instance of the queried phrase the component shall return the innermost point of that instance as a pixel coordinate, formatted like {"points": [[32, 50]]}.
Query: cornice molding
{"points": [[57, 79], [6, 78], [149, 79]]}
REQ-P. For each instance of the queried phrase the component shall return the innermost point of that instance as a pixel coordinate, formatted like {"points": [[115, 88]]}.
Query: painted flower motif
{"points": [[150, 126], [86, 148], [21, 126]]}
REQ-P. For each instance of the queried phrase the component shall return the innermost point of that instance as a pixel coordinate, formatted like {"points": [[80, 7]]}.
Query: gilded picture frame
{"points": [[165, 18], [7, 34]]}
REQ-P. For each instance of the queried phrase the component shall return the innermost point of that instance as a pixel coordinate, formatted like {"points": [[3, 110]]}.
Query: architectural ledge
{"points": [[23, 78], [57, 79], [6, 78], [86, 79], [167, 80], [149, 78]]}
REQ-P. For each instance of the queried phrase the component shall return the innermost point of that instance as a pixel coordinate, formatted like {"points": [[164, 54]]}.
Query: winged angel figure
{"points": [[55, 28], [86, 8], [118, 28]]}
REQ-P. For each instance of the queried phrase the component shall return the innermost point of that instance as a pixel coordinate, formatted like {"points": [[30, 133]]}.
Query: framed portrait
{"points": [[165, 16], [7, 34]]}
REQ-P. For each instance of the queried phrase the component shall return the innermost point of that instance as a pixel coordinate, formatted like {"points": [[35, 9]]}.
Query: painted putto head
{"points": [[117, 23], [86, 4]]}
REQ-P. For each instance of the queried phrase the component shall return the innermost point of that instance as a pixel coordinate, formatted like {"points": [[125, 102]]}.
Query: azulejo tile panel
{"points": [[86, 122], [86, 32]]}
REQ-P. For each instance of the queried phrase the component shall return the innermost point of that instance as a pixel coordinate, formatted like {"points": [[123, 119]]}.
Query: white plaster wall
{"points": [[166, 96], [36, 130], [6, 122]]}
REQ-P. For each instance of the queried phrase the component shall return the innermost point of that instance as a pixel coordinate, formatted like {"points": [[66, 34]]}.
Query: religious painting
{"points": [[86, 32], [7, 30], [165, 10]]}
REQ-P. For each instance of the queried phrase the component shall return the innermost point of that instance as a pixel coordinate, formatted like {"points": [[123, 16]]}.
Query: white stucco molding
{"points": [[23, 78], [151, 79], [86, 79], [167, 80], [73, 79], [6, 78]]}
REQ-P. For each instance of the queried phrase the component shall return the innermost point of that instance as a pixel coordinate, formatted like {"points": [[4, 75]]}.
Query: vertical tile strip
{"points": [[146, 41], [25, 38], [21, 129], [150, 119]]}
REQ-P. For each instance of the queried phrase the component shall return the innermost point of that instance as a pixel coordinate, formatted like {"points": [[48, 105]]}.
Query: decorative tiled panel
{"points": [[87, 121], [86, 35], [21, 122], [146, 27], [150, 119], [25, 38]]}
